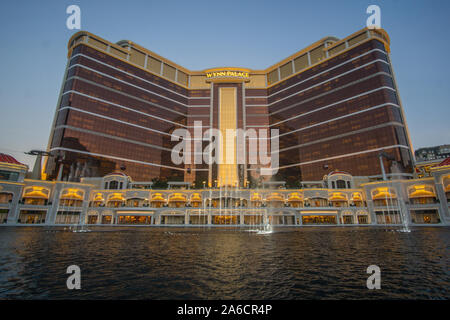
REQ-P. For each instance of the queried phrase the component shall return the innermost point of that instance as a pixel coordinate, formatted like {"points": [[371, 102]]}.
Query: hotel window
{"points": [[340, 184], [113, 185], [357, 39], [9, 175], [272, 77], [78, 40], [97, 43], [363, 219], [182, 78], [337, 49], [169, 72], [154, 65], [301, 62], [117, 52], [137, 57], [286, 70], [317, 54], [67, 217], [374, 33]]}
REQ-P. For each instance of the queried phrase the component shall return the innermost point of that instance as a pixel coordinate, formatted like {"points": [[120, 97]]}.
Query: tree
{"points": [[159, 183]]}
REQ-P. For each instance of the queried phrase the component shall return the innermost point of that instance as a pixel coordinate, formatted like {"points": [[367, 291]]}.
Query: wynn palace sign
{"points": [[225, 74]]}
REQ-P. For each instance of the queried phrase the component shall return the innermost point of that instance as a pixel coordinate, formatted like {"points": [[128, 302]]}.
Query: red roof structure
{"points": [[5, 158], [446, 162]]}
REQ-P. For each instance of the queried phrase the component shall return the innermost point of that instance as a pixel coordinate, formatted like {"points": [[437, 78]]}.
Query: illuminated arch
{"points": [[383, 193], [115, 199], [157, 200], [338, 196], [36, 192], [36, 195], [72, 194], [98, 197], [357, 196], [71, 197], [256, 197], [275, 196], [116, 196], [196, 200], [295, 199], [97, 200], [177, 200], [177, 197], [384, 196], [421, 191]]}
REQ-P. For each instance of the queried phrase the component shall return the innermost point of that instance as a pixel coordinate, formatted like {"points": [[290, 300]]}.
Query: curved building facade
{"points": [[335, 106]]}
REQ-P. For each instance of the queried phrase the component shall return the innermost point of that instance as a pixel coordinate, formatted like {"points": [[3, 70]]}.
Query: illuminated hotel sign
{"points": [[227, 75]]}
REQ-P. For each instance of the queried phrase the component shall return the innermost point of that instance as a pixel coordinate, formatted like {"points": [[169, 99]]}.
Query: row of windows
{"points": [[356, 122], [98, 82], [129, 68], [88, 122], [338, 84], [347, 67], [115, 74], [9, 175], [372, 139], [108, 110], [106, 146], [352, 53], [345, 108]]}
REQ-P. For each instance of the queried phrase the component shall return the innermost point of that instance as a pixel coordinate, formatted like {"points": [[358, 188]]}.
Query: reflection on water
{"points": [[202, 263]]}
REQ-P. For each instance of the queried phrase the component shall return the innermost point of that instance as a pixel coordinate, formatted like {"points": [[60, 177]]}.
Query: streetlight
{"points": [[36, 173]]}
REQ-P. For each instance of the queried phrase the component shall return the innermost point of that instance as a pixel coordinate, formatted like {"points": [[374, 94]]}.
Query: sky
{"points": [[209, 33]]}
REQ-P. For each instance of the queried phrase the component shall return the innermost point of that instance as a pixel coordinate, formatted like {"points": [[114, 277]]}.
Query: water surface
{"points": [[217, 263]]}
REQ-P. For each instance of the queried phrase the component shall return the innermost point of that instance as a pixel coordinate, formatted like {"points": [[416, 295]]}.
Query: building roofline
{"points": [[120, 46]]}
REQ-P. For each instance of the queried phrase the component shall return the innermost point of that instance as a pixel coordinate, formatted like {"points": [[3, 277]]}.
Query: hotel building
{"points": [[345, 157], [335, 104], [338, 199]]}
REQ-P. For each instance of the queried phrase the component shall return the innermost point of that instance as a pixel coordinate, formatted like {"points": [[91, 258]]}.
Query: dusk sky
{"points": [[203, 34]]}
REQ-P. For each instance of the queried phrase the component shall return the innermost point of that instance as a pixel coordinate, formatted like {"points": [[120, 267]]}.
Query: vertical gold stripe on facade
{"points": [[227, 120]]}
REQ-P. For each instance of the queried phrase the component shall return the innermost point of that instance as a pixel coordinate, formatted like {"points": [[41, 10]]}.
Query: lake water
{"points": [[218, 263]]}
